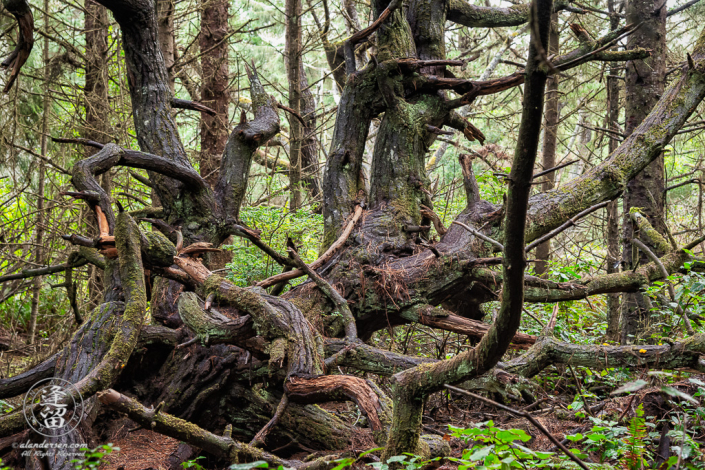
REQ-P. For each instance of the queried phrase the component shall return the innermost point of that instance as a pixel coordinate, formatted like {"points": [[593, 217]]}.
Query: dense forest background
{"points": [[74, 91]]}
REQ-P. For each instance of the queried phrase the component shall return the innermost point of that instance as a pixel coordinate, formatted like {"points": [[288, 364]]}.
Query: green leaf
{"points": [[630, 387], [481, 454], [248, 466], [674, 392], [370, 451], [342, 463]]}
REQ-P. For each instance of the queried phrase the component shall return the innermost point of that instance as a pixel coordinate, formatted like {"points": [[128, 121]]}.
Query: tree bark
{"points": [[645, 80], [612, 235], [167, 37], [95, 95], [550, 139], [214, 88], [294, 69], [41, 176]]}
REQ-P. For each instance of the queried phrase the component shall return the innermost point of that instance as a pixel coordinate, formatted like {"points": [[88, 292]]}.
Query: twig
{"points": [[522, 414], [66, 140], [544, 172], [671, 292], [192, 105], [262, 434], [481, 236], [566, 225], [291, 111], [534, 317], [580, 391], [320, 261], [679, 9]]}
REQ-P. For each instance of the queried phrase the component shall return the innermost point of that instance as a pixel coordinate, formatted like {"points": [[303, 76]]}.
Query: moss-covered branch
{"points": [[128, 243], [221, 446], [608, 179], [412, 386]]}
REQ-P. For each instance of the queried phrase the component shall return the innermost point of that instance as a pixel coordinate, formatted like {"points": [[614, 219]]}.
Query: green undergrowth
{"points": [[250, 264]]}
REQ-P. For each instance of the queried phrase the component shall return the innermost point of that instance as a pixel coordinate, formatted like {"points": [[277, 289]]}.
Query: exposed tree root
{"points": [[371, 401]]}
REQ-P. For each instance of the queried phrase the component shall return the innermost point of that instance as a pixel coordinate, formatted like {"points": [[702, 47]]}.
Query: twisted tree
{"points": [[224, 365]]}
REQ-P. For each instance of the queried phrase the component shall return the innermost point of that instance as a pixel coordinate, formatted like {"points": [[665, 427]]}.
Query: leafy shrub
{"points": [[93, 458]]}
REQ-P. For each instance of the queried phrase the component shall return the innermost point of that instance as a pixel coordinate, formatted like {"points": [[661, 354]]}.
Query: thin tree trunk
{"points": [[309, 144], [39, 230], [214, 94], [167, 41], [95, 96], [613, 257], [644, 86], [543, 251], [293, 69]]}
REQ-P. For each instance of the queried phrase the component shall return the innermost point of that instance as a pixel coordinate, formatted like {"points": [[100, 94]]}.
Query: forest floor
{"points": [[142, 449], [146, 450]]}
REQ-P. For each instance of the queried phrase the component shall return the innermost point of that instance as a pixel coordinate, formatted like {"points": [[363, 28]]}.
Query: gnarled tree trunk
{"points": [[274, 356]]}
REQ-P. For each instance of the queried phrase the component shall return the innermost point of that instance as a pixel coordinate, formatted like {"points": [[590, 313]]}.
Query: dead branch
{"points": [[565, 226], [480, 236], [192, 105], [320, 261], [163, 423]]}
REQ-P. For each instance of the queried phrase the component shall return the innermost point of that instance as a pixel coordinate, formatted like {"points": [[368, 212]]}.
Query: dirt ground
{"points": [[141, 450]]}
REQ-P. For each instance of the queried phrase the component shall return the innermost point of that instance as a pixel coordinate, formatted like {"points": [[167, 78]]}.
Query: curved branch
{"points": [[104, 374], [111, 155], [411, 386], [25, 40], [543, 291], [241, 146], [274, 318], [369, 399], [684, 354], [20, 383]]}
